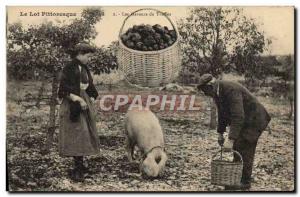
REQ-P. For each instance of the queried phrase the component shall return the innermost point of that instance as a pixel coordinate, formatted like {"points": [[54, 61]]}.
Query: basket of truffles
{"points": [[149, 55]]}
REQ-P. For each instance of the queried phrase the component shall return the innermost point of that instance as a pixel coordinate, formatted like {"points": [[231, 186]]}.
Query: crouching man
{"points": [[247, 119]]}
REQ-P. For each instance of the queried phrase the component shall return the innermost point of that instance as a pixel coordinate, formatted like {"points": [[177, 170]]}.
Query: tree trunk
{"points": [[291, 98], [291, 108], [41, 91], [213, 112], [110, 86], [51, 127], [290, 95], [213, 115], [217, 62]]}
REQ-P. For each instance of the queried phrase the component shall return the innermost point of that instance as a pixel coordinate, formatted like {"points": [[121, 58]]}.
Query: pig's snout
{"points": [[150, 168], [153, 166]]}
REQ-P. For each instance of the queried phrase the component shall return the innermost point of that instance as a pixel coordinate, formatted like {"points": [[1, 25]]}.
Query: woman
{"points": [[77, 131]]}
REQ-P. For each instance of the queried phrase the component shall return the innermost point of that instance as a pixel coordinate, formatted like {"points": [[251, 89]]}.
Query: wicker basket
{"points": [[149, 68], [226, 173]]}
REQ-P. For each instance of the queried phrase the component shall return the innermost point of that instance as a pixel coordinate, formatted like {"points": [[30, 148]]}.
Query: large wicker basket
{"points": [[149, 68], [226, 173]]}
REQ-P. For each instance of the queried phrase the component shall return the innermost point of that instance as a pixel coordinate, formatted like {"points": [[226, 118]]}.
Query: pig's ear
{"points": [[162, 162], [164, 157]]}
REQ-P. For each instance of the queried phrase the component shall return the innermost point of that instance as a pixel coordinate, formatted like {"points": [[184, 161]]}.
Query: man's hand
{"points": [[228, 144], [221, 139], [92, 99]]}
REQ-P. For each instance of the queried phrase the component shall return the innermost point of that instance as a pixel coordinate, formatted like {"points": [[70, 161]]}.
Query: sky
{"points": [[277, 22]]}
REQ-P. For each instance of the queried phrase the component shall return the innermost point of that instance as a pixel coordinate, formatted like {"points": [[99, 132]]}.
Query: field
{"points": [[190, 146]]}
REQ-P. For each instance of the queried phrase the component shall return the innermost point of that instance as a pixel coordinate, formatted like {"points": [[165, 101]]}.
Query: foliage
{"points": [[45, 46], [104, 60], [217, 40], [285, 69], [285, 86]]}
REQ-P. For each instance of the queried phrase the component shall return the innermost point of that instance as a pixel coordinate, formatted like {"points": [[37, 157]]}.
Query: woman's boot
{"points": [[77, 173]]}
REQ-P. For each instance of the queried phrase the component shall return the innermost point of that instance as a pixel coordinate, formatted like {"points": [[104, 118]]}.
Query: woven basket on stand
{"points": [[226, 173], [149, 68]]}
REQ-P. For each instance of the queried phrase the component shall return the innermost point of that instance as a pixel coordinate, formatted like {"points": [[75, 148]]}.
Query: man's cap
{"points": [[205, 79]]}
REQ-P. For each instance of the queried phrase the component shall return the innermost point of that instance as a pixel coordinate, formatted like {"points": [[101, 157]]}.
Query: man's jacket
{"points": [[240, 110]]}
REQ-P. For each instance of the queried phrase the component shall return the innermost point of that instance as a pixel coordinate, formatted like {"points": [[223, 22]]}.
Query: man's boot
{"points": [[244, 185]]}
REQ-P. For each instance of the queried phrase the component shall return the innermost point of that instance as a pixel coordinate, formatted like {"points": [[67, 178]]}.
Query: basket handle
{"points": [[233, 151], [121, 29]]}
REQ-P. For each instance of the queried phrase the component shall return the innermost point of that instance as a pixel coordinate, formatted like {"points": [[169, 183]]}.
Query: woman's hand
{"points": [[83, 104], [75, 98]]}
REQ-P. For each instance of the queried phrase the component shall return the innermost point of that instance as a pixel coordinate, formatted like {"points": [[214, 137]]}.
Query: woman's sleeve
{"points": [[92, 91], [64, 89]]}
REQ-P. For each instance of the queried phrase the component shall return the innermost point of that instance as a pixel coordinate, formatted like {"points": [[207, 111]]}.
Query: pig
{"points": [[143, 129]]}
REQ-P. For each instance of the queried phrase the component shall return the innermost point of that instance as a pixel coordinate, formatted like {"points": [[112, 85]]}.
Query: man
{"points": [[247, 118]]}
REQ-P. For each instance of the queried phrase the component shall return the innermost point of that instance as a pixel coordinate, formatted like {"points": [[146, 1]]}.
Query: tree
{"points": [[217, 40], [285, 72], [268, 69], [104, 59], [46, 47]]}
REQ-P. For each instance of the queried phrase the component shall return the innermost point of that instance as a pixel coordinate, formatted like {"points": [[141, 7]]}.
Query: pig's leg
{"points": [[130, 148], [132, 151]]}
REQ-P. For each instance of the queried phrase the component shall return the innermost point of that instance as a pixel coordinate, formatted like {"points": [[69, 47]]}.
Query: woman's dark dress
{"points": [[78, 138]]}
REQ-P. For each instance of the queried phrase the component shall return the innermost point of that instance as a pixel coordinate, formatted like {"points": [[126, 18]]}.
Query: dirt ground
{"points": [[190, 146]]}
